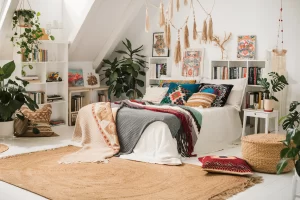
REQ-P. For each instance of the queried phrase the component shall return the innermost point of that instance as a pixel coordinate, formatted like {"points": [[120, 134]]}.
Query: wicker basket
{"points": [[262, 152]]}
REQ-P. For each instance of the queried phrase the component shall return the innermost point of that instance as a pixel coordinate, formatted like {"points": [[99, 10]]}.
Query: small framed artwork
{"points": [[192, 64], [91, 79], [75, 78], [159, 47], [246, 47]]}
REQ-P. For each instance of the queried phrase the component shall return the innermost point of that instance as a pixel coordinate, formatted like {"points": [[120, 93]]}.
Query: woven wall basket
{"points": [[262, 152]]}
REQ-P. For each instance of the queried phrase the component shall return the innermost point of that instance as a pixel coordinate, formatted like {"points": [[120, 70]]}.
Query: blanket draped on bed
{"points": [[102, 138]]}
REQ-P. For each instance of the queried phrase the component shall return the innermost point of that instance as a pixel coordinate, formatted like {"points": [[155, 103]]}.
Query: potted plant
{"points": [[12, 98], [277, 83], [28, 37], [123, 75]]}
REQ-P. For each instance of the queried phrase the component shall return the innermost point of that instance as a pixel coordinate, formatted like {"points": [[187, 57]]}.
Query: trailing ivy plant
{"points": [[123, 75], [28, 38], [278, 83], [292, 142]]}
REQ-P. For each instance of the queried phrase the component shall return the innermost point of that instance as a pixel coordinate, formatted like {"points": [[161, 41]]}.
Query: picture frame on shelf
{"points": [[91, 79], [75, 78], [192, 62], [159, 48], [246, 47]]}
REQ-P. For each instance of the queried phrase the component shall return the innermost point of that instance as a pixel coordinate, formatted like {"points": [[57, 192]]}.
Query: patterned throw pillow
{"points": [[41, 115], [201, 99], [222, 91], [225, 165], [166, 83]]}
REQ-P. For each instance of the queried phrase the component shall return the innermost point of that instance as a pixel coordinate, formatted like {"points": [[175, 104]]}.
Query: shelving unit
{"points": [[57, 62], [158, 60]]}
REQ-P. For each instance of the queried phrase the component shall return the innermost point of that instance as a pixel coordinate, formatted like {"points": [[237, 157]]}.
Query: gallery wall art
{"points": [[192, 62], [159, 49], [91, 79], [75, 78], [246, 47]]}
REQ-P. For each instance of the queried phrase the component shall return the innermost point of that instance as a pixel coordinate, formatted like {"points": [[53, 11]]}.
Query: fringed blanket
{"points": [[96, 129]]}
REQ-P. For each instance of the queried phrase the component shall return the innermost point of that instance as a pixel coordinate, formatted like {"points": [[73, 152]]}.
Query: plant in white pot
{"points": [[12, 98], [277, 83]]}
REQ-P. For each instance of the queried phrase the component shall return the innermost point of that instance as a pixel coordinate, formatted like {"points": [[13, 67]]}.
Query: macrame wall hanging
{"points": [[207, 30]]}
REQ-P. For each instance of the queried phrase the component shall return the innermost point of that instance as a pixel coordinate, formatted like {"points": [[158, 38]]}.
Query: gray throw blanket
{"points": [[131, 124]]}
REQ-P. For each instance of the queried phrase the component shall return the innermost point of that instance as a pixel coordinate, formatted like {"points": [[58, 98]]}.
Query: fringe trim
{"points": [[195, 33], [229, 193], [178, 5], [162, 15], [186, 2], [186, 37], [177, 56], [171, 9], [210, 31], [166, 34], [204, 32], [169, 36], [147, 23]]}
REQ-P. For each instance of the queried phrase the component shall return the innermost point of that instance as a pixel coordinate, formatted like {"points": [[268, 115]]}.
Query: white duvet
{"points": [[220, 127]]}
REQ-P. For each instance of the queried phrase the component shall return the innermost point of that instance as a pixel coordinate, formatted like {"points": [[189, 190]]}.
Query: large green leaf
{"points": [[140, 82], [130, 94], [14, 105], [293, 152], [8, 69], [297, 166], [294, 105], [136, 67], [129, 44], [142, 73], [281, 165], [122, 52], [5, 97], [284, 152], [291, 121], [296, 137], [113, 77], [139, 93]]}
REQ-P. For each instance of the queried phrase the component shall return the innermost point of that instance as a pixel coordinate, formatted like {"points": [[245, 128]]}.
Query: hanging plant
{"points": [[27, 38]]}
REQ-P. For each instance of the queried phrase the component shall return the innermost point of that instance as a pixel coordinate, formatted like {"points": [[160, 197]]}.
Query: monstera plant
{"points": [[292, 142], [123, 76]]}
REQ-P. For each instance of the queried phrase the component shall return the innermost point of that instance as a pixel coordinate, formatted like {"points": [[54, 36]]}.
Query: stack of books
{"points": [[157, 70], [254, 74], [221, 72], [38, 55], [57, 122], [76, 103], [52, 98], [31, 78], [101, 98], [254, 100], [233, 72], [37, 96]]}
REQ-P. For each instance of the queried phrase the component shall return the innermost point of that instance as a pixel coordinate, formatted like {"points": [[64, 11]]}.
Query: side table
{"points": [[260, 114]]}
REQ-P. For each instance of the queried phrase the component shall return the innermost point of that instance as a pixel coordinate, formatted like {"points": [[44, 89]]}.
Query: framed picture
{"points": [[246, 47], [192, 64], [159, 47], [91, 79], [75, 78]]}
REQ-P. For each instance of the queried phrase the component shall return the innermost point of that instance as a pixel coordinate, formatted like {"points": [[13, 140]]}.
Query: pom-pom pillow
{"points": [[201, 99], [41, 115], [179, 94], [155, 94], [221, 91], [226, 165], [166, 83]]}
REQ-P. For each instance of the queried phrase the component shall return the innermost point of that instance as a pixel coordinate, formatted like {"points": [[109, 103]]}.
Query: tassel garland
{"points": [[186, 2], [210, 31], [204, 32], [177, 55], [162, 15], [169, 36], [178, 5], [166, 34], [186, 37], [147, 23], [195, 33], [171, 9]]}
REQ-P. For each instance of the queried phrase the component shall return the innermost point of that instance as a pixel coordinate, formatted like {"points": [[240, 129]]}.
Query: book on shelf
{"points": [[221, 72], [37, 96], [255, 73], [157, 70], [53, 98], [101, 98], [76, 102], [38, 55], [254, 100], [57, 122], [237, 72], [30, 77]]}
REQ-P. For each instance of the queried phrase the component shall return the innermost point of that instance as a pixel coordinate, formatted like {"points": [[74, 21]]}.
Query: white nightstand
{"points": [[260, 114]]}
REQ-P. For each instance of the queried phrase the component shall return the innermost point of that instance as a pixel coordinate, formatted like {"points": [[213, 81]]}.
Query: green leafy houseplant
{"points": [[28, 38], [292, 142], [122, 75], [278, 82], [13, 95]]}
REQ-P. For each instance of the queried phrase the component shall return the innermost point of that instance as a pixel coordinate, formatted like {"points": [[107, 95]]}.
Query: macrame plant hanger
{"points": [[280, 32], [207, 31]]}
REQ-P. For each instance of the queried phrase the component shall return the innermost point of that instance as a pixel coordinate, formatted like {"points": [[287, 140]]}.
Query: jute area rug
{"points": [[3, 148], [40, 173]]}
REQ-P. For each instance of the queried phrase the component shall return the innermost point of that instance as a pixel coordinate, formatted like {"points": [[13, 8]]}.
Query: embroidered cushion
{"points": [[41, 115], [201, 99], [222, 92], [166, 83], [226, 165]]}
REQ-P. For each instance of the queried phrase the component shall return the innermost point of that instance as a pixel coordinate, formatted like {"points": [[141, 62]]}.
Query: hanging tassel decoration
{"points": [[186, 37], [204, 32], [162, 15], [186, 2], [171, 8], [177, 55], [178, 5], [169, 36], [195, 33], [147, 23], [210, 31], [166, 34]]}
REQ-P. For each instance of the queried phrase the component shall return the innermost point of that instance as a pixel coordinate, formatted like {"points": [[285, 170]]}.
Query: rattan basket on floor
{"points": [[262, 152]]}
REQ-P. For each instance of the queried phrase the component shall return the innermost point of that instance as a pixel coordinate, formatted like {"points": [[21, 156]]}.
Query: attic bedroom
{"points": [[149, 99]]}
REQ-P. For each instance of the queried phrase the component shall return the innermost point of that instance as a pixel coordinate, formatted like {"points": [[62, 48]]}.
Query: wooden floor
{"points": [[274, 187]]}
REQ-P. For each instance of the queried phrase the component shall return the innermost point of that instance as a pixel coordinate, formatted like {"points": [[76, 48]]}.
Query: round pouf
{"points": [[262, 152]]}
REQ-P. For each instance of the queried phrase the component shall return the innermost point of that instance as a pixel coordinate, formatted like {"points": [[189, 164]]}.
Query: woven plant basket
{"points": [[262, 152]]}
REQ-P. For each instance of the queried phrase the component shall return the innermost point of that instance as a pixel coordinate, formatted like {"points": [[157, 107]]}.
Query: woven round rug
{"points": [[3, 148]]}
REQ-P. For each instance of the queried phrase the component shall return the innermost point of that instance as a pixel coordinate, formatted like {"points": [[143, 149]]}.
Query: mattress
{"points": [[221, 126]]}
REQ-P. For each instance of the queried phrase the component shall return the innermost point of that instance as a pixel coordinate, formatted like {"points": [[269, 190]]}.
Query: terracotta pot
{"points": [[7, 129], [268, 105]]}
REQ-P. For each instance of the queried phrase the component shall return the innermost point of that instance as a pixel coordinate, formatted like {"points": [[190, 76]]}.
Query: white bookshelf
{"points": [[158, 60], [57, 62]]}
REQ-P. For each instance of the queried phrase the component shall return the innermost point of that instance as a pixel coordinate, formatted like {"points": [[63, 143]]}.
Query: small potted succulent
{"points": [[277, 83]]}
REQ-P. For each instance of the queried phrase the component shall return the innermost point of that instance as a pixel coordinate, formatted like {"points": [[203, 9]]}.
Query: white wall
{"points": [[241, 17]]}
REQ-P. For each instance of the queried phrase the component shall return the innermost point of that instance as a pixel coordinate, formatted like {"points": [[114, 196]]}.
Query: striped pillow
{"points": [[201, 99]]}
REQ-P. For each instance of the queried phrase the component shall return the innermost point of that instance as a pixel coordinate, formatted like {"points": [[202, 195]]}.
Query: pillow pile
{"points": [[201, 99], [226, 165], [179, 94]]}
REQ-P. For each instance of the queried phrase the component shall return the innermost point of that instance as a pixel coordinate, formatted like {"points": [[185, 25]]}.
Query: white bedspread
{"points": [[220, 127]]}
